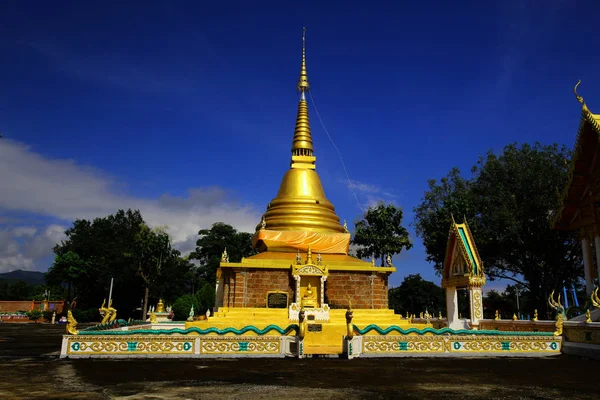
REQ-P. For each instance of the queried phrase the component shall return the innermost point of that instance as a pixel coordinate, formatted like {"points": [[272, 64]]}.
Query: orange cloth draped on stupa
{"points": [[319, 242]]}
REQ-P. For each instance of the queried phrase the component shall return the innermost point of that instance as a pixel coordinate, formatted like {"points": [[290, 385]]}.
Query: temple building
{"points": [[580, 201], [302, 243], [463, 269], [303, 261], [303, 295]]}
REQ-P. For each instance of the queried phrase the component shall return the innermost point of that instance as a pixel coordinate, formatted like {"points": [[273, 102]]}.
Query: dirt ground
{"points": [[30, 369]]}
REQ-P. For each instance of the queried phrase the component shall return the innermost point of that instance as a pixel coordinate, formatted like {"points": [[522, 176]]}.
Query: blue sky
{"points": [[187, 112]]}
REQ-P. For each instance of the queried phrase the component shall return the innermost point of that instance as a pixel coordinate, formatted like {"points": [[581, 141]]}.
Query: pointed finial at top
{"points": [[579, 98], [309, 259], [303, 85]]}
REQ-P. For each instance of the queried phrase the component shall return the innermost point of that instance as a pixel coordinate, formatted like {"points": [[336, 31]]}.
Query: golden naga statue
{"points": [[160, 307], [71, 324], [558, 325], [557, 306], [103, 312], [112, 311], [588, 316], [109, 314], [310, 297], [153, 318], [349, 324], [302, 324], [595, 298]]}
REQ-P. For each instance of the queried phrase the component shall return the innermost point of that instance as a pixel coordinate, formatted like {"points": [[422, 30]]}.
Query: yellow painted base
{"points": [[329, 340]]}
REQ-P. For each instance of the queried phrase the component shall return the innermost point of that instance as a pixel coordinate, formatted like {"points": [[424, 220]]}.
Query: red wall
{"points": [[249, 288]]}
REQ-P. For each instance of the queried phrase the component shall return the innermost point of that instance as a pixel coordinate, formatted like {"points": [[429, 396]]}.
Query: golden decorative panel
{"points": [[462, 344], [582, 334], [129, 345], [477, 304], [241, 345]]}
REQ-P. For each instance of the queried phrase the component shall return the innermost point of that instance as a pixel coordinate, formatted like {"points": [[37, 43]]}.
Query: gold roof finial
{"points": [[578, 97], [303, 84]]}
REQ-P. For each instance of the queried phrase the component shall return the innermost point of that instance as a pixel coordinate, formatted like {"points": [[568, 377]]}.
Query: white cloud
{"points": [[369, 194], [66, 190], [24, 231], [362, 187]]}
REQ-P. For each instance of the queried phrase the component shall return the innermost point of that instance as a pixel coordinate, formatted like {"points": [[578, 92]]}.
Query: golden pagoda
{"points": [[303, 262]]}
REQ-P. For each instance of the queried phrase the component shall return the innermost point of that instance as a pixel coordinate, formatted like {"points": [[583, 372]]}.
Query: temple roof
{"points": [[283, 260], [582, 163], [462, 244], [301, 204]]}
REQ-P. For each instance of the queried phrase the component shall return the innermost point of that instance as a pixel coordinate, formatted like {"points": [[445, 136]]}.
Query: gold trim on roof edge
{"points": [[586, 117]]}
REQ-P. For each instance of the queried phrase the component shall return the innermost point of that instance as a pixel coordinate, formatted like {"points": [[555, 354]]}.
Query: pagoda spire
{"points": [[301, 204], [303, 84], [302, 148]]}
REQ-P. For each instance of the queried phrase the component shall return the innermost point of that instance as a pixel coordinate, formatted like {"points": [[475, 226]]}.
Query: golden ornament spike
{"points": [[303, 84], [302, 142], [577, 96]]}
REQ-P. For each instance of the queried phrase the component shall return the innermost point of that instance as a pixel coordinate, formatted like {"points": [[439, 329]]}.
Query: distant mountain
{"points": [[30, 277]]}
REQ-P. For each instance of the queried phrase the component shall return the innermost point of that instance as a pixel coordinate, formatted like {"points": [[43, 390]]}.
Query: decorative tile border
{"points": [[241, 345], [444, 331], [134, 345], [588, 333], [179, 331], [381, 345], [85, 345]]}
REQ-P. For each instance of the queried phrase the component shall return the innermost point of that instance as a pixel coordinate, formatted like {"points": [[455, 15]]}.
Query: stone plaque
{"points": [[277, 300], [315, 327]]}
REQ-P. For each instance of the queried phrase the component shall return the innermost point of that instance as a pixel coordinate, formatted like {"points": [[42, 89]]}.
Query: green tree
{"points": [[206, 298], [18, 290], [416, 295], [210, 246], [119, 246], [380, 233], [498, 301], [450, 196], [509, 203], [67, 267], [151, 247], [183, 305]]}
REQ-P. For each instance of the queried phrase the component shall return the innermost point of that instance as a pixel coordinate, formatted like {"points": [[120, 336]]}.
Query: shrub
{"points": [[89, 315], [182, 306], [48, 315], [205, 298], [34, 315]]}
